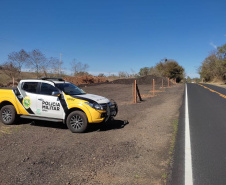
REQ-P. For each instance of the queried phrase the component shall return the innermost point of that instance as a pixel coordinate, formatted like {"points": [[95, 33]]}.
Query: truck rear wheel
{"points": [[8, 114], [77, 121]]}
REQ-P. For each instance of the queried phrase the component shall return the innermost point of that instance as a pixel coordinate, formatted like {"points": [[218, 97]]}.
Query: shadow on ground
{"points": [[110, 125], [39, 123]]}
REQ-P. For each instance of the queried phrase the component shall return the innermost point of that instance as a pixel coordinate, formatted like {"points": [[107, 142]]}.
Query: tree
{"points": [[196, 80], [208, 69], [189, 80], [165, 68], [222, 51], [171, 69], [55, 66], [38, 62], [10, 69], [18, 59], [122, 74], [214, 66], [144, 71], [154, 71], [79, 68]]}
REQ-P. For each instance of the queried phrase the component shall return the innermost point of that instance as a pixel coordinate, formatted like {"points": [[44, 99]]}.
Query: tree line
{"points": [[165, 68], [36, 61], [214, 66]]}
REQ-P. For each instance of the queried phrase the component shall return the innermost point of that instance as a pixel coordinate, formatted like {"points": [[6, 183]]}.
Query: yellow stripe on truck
{"points": [[93, 116], [7, 95]]}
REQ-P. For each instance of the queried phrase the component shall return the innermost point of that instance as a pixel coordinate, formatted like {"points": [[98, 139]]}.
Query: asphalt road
{"points": [[207, 122]]}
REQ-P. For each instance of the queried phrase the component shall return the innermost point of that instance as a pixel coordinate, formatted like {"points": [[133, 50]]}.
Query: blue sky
{"points": [[114, 35]]}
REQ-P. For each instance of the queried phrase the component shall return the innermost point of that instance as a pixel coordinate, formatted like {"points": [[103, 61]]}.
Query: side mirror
{"points": [[56, 93]]}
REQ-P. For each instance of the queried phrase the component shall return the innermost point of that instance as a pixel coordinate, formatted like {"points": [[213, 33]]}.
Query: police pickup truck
{"points": [[53, 99]]}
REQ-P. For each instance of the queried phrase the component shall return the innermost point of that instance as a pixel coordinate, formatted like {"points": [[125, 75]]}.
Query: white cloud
{"points": [[213, 45]]}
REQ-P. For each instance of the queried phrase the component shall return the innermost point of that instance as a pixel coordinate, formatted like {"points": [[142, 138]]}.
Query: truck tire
{"points": [[77, 122], [8, 114]]}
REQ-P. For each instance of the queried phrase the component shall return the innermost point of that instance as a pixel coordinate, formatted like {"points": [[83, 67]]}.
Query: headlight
{"points": [[95, 106]]}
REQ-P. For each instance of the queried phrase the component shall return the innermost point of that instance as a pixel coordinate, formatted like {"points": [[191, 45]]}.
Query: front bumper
{"points": [[111, 109]]}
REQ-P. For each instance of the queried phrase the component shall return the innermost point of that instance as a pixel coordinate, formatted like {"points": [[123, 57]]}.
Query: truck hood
{"points": [[92, 98]]}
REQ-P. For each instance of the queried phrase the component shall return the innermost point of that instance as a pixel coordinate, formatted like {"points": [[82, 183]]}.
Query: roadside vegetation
{"points": [[34, 64], [213, 68], [165, 68], [193, 80]]}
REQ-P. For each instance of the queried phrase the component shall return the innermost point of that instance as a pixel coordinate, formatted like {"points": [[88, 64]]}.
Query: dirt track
{"points": [[119, 153]]}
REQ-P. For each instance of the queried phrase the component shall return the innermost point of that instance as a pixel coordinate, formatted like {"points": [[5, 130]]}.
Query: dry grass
{"points": [[218, 82]]}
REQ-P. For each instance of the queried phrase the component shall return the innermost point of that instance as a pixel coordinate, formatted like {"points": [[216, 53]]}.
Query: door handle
{"points": [[41, 99]]}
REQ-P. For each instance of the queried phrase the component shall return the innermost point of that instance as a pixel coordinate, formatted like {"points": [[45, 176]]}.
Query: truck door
{"points": [[47, 104], [28, 99]]}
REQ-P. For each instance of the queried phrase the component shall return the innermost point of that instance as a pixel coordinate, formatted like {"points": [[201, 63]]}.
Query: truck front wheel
{"points": [[8, 114], [77, 121]]}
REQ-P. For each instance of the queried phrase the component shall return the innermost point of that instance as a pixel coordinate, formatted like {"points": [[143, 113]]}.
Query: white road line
{"points": [[188, 158]]}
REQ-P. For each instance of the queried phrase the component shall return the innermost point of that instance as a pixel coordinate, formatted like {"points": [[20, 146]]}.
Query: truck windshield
{"points": [[69, 89]]}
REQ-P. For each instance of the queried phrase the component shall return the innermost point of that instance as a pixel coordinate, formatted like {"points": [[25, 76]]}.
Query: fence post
{"points": [[135, 91]]}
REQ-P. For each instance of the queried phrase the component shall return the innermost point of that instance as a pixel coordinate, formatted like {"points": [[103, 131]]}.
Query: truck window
{"points": [[30, 86], [47, 89], [70, 89]]}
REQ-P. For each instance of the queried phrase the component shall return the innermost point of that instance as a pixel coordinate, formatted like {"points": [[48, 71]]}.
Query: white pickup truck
{"points": [[53, 99]]}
